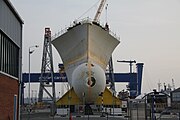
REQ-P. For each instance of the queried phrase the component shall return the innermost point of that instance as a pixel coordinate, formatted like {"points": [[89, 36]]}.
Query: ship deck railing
{"points": [[78, 22]]}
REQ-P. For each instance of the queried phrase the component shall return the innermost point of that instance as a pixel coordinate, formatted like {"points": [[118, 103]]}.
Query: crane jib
{"points": [[98, 13]]}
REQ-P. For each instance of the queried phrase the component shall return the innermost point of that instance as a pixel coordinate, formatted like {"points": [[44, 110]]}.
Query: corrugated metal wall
{"points": [[10, 58], [9, 24]]}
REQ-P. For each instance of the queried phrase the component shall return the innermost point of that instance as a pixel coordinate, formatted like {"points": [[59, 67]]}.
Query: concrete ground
{"points": [[46, 116]]}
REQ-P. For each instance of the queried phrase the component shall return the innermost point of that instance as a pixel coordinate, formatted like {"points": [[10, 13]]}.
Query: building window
{"points": [[9, 56], [176, 96]]}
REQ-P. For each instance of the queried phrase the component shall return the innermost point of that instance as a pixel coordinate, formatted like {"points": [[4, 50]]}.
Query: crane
{"points": [[98, 13], [173, 84], [128, 61]]}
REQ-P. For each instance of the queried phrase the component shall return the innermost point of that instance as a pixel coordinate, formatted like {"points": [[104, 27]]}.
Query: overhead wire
{"points": [[88, 10]]}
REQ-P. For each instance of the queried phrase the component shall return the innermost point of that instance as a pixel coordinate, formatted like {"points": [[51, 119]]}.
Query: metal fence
{"points": [[137, 109]]}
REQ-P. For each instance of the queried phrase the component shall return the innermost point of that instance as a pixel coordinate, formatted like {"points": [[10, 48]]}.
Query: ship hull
{"points": [[85, 50]]}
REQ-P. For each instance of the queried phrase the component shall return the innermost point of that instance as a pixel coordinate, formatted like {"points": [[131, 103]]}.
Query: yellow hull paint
{"points": [[70, 98]]}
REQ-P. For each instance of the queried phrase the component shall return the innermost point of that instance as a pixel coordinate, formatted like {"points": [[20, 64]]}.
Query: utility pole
{"points": [[47, 78]]}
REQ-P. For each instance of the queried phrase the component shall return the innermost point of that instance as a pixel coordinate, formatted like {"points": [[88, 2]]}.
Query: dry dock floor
{"points": [[46, 116]]}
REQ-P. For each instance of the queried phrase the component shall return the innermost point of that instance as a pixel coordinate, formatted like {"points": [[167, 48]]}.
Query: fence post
{"points": [[15, 107]]}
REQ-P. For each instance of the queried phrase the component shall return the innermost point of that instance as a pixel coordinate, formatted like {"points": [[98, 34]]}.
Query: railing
{"points": [[82, 21], [59, 33]]}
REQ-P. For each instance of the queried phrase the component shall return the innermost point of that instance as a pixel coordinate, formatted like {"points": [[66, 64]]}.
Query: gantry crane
{"points": [[99, 11], [128, 61], [47, 72]]}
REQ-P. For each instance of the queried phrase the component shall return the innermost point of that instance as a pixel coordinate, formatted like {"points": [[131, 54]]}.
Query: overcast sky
{"points": [[149, 32]]}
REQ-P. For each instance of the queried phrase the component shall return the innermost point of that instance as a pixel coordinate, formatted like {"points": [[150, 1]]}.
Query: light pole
{"points": [[30, 52]]}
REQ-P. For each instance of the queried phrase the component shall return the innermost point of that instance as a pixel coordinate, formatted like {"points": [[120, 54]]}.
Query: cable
{"points": [[88, 10]]}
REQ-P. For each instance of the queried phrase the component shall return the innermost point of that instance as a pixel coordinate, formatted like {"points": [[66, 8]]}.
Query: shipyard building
{"points": [[10, 60]]}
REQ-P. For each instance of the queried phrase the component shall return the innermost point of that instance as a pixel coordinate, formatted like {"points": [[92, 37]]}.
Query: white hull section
{"points": [[88, 81], [85, 51]]}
